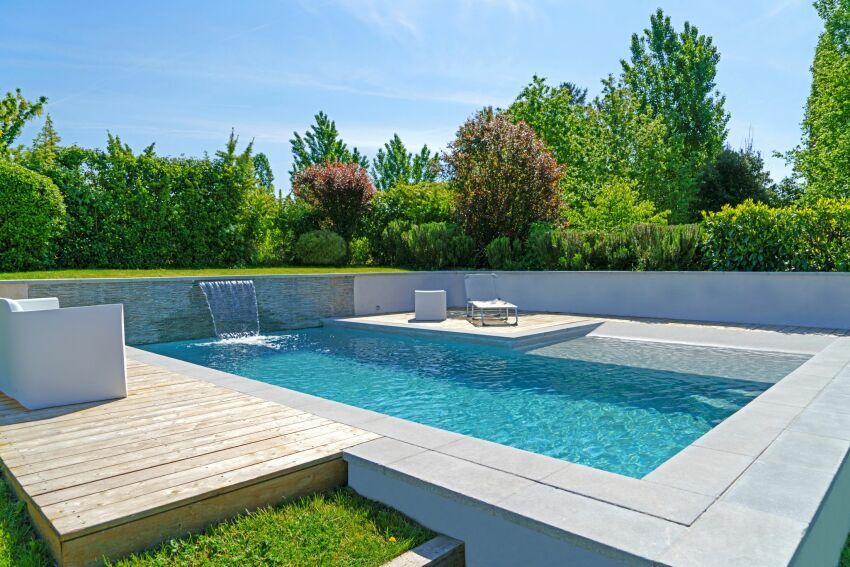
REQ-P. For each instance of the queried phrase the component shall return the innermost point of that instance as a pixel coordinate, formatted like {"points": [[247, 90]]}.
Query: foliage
{"points": [[824, 158], [341, 192], [146, 211], [263, 172], [295, 217], [437, 246], [320, 248], [757, 237], [174, 272], [360, 252], [635, 247], [732, 177], [673, 75], [15, 112], [610, 138], [617, 205], [394, 165], [504, 254], [426, 246], [414, 204], [505, 178], [322, 145], [31, 218]]}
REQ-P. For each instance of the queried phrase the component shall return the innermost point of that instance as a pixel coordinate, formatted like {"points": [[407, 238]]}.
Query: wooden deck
{"points": [[108, 478]]}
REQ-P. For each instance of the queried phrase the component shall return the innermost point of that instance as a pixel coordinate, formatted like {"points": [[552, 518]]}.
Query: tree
{"points": [[341, 192], [321, 145], [394, 165], [823, 160], [616, 206], [673, 76], [15, 112], [263, 172], [610, 138], [732, 178], [505, 178], [45, 147]]}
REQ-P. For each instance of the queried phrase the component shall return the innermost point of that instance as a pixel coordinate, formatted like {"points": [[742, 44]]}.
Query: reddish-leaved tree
{"points": [[505, 177], [341, 192]]}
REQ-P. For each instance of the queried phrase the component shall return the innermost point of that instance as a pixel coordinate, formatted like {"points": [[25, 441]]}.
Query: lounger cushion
{"points": [[492, 304]]}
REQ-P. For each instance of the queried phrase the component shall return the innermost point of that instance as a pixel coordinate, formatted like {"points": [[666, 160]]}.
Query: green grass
{"points": [[70, 274], [19, 546], [332, 528]]}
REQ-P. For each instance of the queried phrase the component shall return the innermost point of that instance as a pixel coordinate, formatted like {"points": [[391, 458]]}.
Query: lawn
{"points": [[333, 528], [70, 274]]}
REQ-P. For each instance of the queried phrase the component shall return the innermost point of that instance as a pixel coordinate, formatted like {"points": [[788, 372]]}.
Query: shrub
{"points": [[414, 204], [504, 254], [295, 217], [438, 245], [127, 210], [544, 247], [341, 192], [31, 218], [675, 247], [320, 248], [756, 237], [392, 247], [505, 177], [359, 252]]}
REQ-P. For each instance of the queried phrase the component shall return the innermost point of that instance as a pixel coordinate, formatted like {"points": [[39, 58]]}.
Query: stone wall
{"points": [[170, 309]]}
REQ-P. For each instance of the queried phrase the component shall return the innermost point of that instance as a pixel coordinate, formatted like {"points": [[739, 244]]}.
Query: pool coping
{"points": [[770, 464]]}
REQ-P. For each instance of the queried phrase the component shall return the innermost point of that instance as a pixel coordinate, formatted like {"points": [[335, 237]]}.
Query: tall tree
{"points": [[322, 144], [263, 172], [610, 139], [394, 165], [45, 147], [823, 160], [505, 178], [673, 75], [15, 112], [732, 177]]}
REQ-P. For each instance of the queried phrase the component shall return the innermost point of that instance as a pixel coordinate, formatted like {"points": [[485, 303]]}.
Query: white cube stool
{"points": [[430, 305]]}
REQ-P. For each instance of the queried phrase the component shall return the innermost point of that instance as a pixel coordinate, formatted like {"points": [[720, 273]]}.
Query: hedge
{"points": [[636, 247], [756, 237], [31, 218]]}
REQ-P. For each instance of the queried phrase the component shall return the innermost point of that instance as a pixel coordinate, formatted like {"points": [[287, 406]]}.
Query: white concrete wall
{"points": [[804, 299]]}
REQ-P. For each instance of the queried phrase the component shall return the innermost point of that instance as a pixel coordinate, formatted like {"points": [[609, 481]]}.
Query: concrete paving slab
{"points": [[701, 470]]}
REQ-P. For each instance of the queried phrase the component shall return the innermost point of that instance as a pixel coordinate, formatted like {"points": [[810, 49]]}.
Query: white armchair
{"points": [[54, 357]]}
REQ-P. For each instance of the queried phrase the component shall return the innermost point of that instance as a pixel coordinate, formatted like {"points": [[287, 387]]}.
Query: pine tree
{"points": [[45, 146], [394, 165], [322, 144]]}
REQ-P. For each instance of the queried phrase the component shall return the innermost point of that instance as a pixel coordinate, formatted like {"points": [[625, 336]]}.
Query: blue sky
{"points": [[182, 74]]}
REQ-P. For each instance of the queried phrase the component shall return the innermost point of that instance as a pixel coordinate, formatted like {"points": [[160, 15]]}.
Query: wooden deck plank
{"points": [[74, 500], [91, 470], [113, 477], [183, 438]]}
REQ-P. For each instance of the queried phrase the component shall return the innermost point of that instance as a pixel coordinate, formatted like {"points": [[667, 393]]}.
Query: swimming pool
{"points": [[617, 405]]}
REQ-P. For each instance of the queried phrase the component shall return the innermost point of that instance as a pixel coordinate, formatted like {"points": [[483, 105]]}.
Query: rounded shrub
{"points": [[320, 248], [32, 216]]}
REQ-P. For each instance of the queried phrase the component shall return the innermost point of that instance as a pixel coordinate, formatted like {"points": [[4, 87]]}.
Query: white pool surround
{"points": [[768, 486]]}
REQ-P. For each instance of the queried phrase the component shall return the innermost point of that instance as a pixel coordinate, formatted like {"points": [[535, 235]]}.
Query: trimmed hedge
{"points": [[321, 248], [427, 246], [637, 247], [754, 237], [31, 218]]}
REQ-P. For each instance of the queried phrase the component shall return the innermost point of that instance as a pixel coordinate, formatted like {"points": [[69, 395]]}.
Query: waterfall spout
{"points": [[233, 306]]}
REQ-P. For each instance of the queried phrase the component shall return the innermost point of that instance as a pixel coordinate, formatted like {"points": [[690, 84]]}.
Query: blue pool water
{"points": [[622, 406]]}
